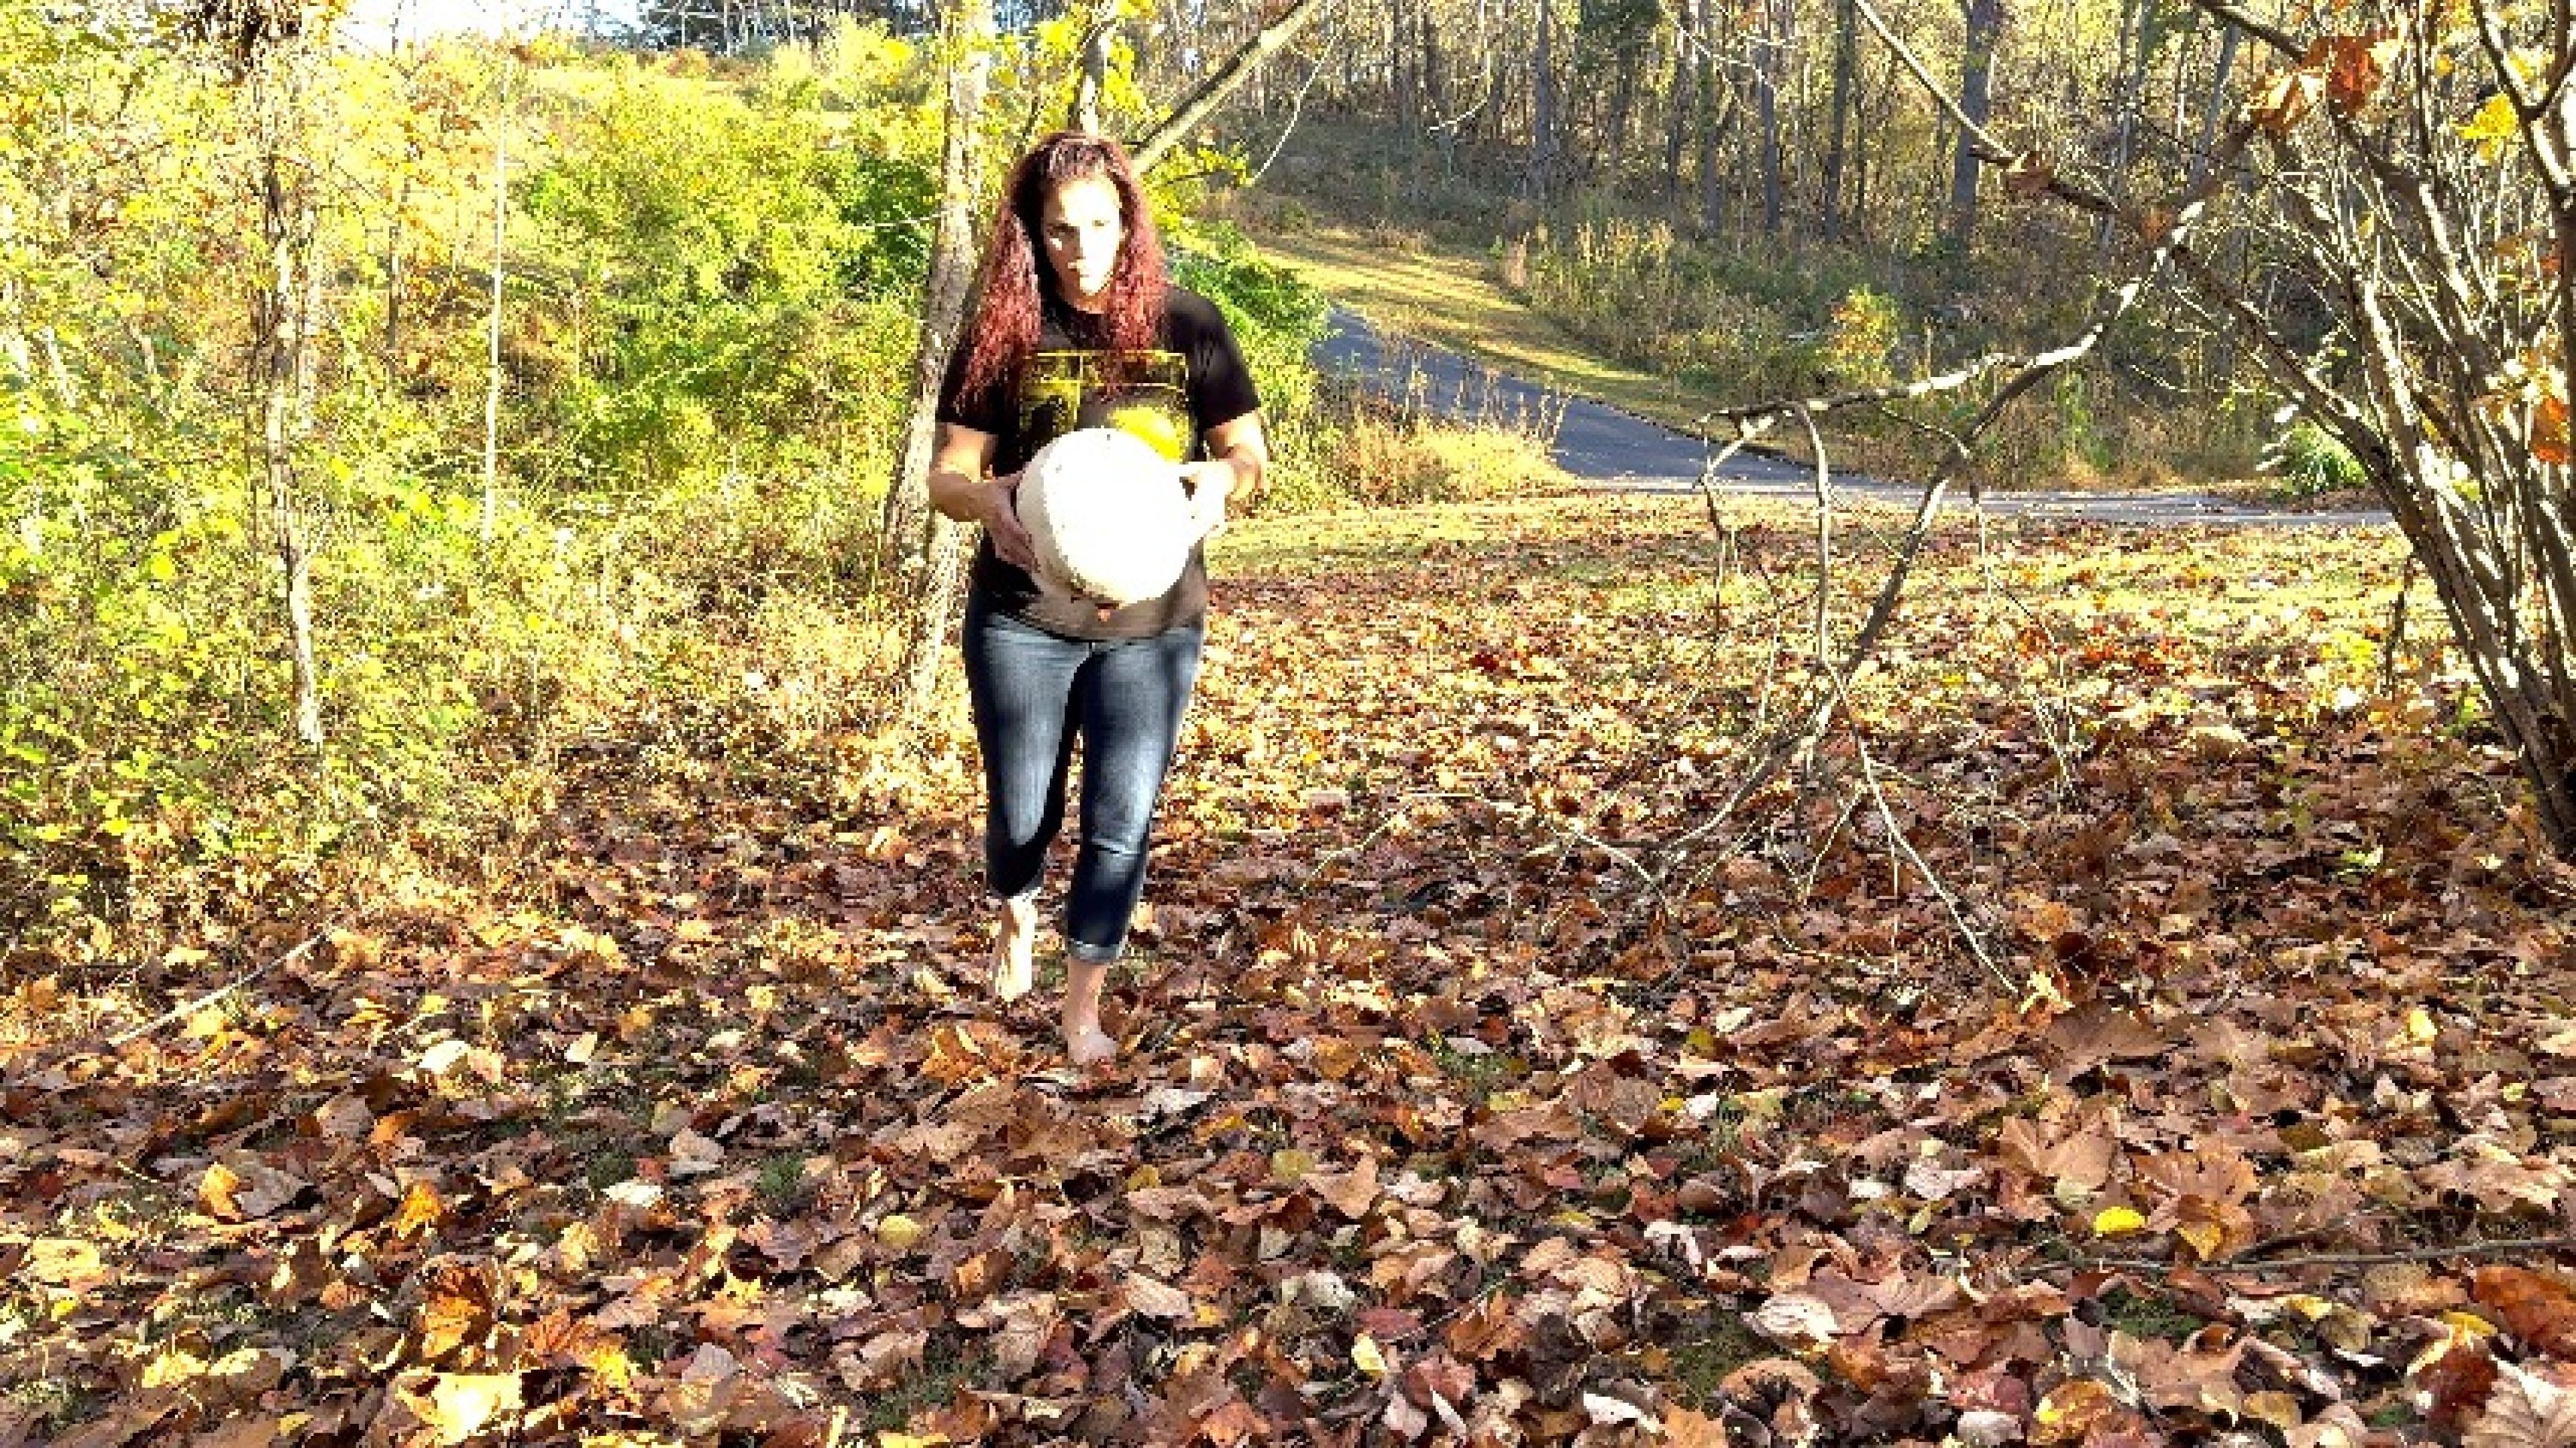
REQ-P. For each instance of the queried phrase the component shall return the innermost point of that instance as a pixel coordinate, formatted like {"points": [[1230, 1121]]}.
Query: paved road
{"points": [[1614, 450]]}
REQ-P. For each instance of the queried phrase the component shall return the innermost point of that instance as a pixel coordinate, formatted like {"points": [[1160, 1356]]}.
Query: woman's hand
{"points": [[998, 509], [1237, 457], [1208, 484]]}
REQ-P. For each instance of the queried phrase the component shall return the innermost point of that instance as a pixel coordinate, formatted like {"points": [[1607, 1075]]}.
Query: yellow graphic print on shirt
{"points": [[1061, 391]]}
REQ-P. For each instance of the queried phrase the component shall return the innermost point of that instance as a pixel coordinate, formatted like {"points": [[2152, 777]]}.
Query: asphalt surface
{"points": [[1618, 452]]}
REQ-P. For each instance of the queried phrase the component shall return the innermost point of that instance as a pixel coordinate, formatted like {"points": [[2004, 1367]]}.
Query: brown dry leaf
{"points": [[344, 1117], [2072, 1411], [2199, 1375], [2078, 1164], [421, 1210], [2397, 1289], [1155, 1299], [1489, 1327], [2092, 1034], [1350, 1193], [1794, 1320], [2538, 1309], [1022, 1336], [1911, 1297], [241, 1376], [254, 1431], [1439, 1375], [1403, 1419], [1684, 1428], [2550, 441], [2214, 1172], [123, 1424], [2524, 1411], [1771, 1378], [2028, 175], [453, 1407], [63, 1262], [883, 1360], [2495, 1177], [2214, 1229], [695, 1155], [956, 1057], [1234, 1422], [245, 1189], [2337, 1427], [2355, 67], [455, 1310], [2454, 1380]]}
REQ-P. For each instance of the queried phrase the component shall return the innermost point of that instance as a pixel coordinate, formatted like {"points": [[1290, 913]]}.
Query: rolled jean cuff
{"points": [[1092, 954]]}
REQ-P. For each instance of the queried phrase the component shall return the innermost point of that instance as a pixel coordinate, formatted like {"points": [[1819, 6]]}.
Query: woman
{"points": [[1075, 325]]}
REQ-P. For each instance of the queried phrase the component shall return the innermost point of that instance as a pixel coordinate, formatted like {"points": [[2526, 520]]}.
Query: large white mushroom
{"points": [[1108, 516]]}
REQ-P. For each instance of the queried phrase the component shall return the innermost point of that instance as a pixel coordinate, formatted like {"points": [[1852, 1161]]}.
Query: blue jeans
{"points": [[1034, 692]]}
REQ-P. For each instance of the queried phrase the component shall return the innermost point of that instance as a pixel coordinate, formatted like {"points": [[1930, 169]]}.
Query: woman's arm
{"points": [[960, 490], [1238, 455]]}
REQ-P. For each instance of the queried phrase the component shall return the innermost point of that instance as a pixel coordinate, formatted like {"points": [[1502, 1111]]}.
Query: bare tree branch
{"points": [[1154, 145]]}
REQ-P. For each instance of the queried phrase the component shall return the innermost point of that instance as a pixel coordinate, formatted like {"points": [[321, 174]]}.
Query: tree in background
{"points": [[2413, 170], [2418, 173], [927, 542], [265, 47]]}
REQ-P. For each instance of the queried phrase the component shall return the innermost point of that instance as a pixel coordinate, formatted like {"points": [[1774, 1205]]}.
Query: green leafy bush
{"points": [[2309, 461], [716, 263], [708, 331], [1277, 319]]}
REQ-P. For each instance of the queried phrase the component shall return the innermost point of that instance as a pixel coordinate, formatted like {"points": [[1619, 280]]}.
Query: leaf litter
{"points": [[1467, 1094]]}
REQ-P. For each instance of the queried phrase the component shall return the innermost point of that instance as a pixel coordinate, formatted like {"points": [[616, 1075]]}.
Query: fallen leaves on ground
{"points": [[1467, 1093]]}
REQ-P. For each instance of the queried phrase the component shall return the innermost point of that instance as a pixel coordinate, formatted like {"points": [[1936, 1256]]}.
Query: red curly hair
{"points": [[1014, 279]]}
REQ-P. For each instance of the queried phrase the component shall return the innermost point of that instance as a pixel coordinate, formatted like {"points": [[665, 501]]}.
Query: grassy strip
{"points": [[1447, 295]]}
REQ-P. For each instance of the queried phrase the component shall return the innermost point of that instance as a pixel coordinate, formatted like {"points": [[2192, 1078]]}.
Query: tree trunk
{"points": [[1772, 58], [1682, 96], [1433, 96], [930, 540], [1623, 101], [1623, 107], [1439, 105], [1846, 85], [279, 341], [1857, 227], [2137, 39], [1717, 122], [907, 524], [1976, 73], [1538, 182], [402, 205], [1402, 79], [2215, 105], [1221, 82], [1096, 40]]}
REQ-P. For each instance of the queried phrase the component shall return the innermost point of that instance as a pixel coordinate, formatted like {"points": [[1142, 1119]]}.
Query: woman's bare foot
{"points": [[1085, 1043], [1015, 943], [1087, 1048]]}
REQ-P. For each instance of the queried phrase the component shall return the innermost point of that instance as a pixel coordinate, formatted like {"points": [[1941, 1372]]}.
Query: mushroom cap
{"points": [[1108, 516]]}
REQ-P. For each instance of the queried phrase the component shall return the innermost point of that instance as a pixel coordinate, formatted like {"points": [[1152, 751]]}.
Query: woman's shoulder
{"points": [[1190, 311]]}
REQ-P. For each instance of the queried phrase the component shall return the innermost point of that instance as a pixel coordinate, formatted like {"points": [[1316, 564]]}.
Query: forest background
{"points": [[615, 450]]}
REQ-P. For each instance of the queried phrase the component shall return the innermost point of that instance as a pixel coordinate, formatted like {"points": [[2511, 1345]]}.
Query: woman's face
{"points": [[1083, 230]]}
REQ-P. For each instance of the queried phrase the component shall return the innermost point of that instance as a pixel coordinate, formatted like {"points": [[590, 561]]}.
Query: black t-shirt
{"points": [[1169, 397]]}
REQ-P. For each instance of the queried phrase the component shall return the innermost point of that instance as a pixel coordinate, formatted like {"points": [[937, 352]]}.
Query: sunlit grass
{"points": [[1448, 296]]}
